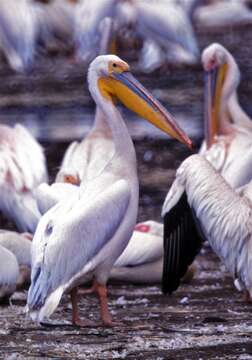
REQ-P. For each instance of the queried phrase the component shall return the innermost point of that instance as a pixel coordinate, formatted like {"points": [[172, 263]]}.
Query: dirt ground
{"points": [[204, 320]]}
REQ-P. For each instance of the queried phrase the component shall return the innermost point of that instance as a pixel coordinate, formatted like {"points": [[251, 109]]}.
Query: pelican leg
{"points": [[75, 313], [102, 293], [246, 297]]}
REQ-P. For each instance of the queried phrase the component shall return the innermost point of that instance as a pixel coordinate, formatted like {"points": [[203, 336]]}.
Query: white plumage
{"points": [[166, 30], [18, 244], [86, 236], [145, 245], [56, 22], [49, 195], [223, 216], [18, 31], [89, 26], [231, 147], [8, 273], [22, 169], [222, 14], [20, 247], [142, 260]]}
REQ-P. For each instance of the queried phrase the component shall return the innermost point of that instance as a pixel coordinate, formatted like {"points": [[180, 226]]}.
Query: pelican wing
{"points": [[142, 248], [238, 172], [18, 245], [30, 157], [70, 154], [8, 268], [64, 246], [224, 217], [164, 23], [183, 239], [88, 28], [49, 195], [21, 207]]}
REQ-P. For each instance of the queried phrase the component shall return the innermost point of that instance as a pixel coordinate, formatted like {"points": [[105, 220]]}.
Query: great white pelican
{"points": [[85, 236], [200, 206], [228, 129]]}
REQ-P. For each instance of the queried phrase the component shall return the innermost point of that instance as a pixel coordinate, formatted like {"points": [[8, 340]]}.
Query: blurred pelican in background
{"points": [[18, 31], [201, 203], [22, 169], [20, 246], [89, 26], [77, 238], [164, 27], [56, 22], [228, 129], [166, 31], [223, 13], [9, 272]]}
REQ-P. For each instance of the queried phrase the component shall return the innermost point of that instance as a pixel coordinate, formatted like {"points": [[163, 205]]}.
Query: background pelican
{"points": [[56, 23], [98, 226], [8, 274], [89, 26], [166, 30], [228, 129], [202, 205], [20, 246], [18, 31], [22, 169], [223, 13]]}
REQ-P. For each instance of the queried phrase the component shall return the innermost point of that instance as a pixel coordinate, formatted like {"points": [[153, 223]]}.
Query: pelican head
{"points": [[216, 60], [115, 82]]}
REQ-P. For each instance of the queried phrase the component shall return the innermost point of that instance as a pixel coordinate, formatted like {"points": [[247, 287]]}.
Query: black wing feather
{"points": [[183, 239]]}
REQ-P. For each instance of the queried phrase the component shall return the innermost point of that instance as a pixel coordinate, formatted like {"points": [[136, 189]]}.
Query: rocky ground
{"points": [[204, 320]]}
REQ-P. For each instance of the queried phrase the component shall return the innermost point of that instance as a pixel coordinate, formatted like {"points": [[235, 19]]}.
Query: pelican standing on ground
{"points": [[228, 129], [200, 206], [22, 169], [97, 227]]}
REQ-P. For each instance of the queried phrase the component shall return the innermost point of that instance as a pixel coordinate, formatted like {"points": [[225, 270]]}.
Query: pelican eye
{"points": [[49, 229], [114, 65]]}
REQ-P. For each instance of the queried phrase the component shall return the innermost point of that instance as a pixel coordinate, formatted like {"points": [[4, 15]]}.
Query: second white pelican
{"points": [[86, 236], [22, 169], [200, 206], [228, 129]]}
